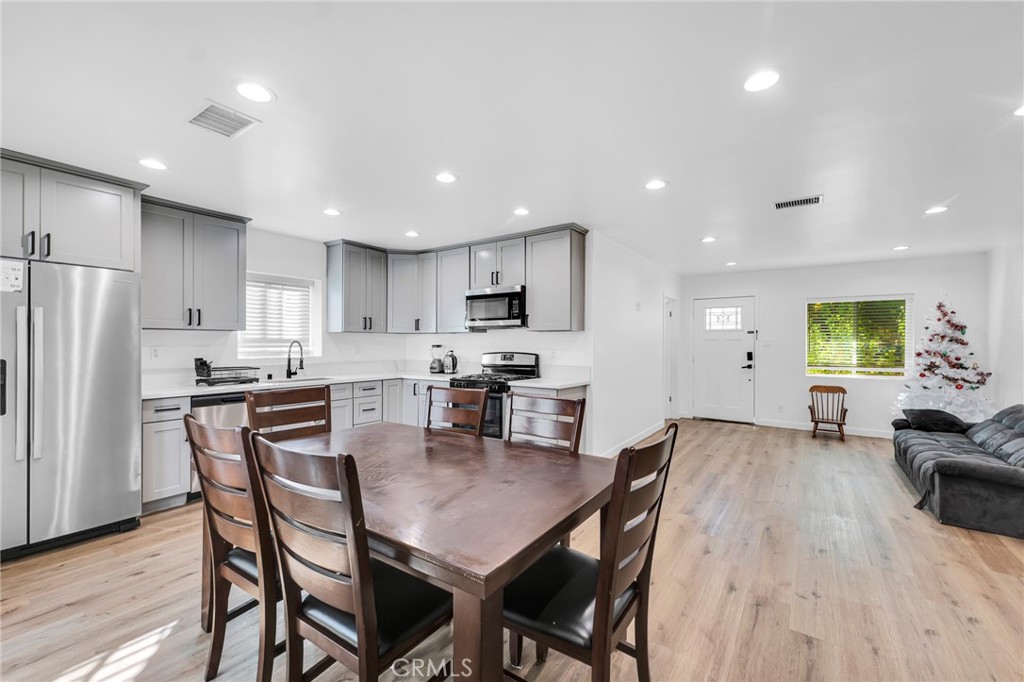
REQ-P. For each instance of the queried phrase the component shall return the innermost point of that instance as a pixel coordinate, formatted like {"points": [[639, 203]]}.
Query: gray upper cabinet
{"points": [[167, 251], [377, 291], [218, 273], [427, 289], [554, 281], [63, 217], [498, 264], [412, 292], [357, 280], [86, 222], [193, 270], [20, 207], [452, 283], [403, 292]]}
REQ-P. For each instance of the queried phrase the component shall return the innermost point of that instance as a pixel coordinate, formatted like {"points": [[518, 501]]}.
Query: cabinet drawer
{"points": [[367, 410], [164, 409], [341, 391], [367, 388]]}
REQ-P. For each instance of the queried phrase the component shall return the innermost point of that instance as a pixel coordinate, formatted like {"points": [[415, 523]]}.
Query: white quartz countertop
{"points": [[152, 392]]}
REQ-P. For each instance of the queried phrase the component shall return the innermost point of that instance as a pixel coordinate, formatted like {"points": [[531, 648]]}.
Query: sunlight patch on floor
{"points": [[122, 663]]}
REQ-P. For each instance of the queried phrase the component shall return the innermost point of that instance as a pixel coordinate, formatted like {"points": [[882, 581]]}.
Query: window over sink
{"points": [[279, 310]]}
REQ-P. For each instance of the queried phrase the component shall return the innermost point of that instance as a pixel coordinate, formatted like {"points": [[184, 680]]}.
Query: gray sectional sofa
{"points": [[973, 479]]}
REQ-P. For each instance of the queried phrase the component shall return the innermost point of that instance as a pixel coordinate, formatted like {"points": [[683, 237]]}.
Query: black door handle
{"points": [[199, 317], [371, 324], [189, 318], [3, 387], [497, 276], [747, 367], [32, 243], [46, 245], [417, 324]]}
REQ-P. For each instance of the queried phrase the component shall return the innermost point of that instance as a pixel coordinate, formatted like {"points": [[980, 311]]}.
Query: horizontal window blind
{"points": [[857, 337], [277, 312]]}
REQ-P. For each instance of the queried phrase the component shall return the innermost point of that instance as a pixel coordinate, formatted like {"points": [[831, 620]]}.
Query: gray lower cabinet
{"points": [[341, 407], [357, 281], [166, 468], [500, 263], [367, 410], [411, 402], [555, 281], [452, 284], [393, 400], [193, 270], [61, 217]]}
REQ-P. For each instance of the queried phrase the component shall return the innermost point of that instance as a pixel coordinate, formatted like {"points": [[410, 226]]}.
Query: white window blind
{"points": [[857, 337], [278, 310]]}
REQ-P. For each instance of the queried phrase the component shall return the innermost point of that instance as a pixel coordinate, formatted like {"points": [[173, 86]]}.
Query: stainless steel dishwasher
{"points": [[224, 410]]}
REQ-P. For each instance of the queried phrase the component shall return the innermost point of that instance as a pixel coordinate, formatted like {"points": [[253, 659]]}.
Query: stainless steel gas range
{"points": [[499, 370]]}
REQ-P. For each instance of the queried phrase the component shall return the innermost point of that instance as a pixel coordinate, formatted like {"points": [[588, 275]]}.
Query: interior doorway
{"points": [[724, 333], [671, 352]]}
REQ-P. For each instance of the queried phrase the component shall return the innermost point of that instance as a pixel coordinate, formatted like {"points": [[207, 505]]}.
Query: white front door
{"points": [[723, 358]]}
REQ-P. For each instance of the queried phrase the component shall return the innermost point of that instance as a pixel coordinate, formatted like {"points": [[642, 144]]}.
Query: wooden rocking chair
{"points": [[827, 407]]}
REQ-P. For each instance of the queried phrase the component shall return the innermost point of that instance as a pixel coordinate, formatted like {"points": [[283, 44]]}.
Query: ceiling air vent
{"points": [[224, 121], [806, 201]]}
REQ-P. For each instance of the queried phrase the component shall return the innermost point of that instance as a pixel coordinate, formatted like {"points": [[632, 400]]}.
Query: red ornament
{"points": [[921, 375], [959, 387], [957, 358]]}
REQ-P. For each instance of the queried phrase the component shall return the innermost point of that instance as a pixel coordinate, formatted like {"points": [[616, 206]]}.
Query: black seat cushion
{"points": [[936, 421], [405, 607], [243, 561], [556, 597]]}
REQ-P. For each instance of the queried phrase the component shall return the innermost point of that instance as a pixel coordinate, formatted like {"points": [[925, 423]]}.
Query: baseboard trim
{"points": [[633, 440], [802, 426]]}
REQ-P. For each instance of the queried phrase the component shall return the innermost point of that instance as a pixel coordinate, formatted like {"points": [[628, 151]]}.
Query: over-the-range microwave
{"points": [[496, 307]]}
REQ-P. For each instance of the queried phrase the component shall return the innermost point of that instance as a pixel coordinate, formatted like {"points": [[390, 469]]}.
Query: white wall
{"points": [[781, 384], [626, 401], [1006, 323]]}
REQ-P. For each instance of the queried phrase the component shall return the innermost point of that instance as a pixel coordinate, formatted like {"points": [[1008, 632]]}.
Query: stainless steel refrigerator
{"points": [[71, 422]]}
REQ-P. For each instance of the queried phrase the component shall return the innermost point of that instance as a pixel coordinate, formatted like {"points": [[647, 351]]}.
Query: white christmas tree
{"points": [[946, 375]]}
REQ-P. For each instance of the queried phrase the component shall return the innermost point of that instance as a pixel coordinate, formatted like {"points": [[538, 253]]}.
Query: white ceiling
{"points": [[567, 109]]}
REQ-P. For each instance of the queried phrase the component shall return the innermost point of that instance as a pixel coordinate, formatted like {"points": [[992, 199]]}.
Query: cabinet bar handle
{"points": [[32, 243], [173, 408], [371, 324], [189, 318], [497, 276], [199, 317], [369, 409], [367, 388], [364, 324], [46, 245], [416, 326]]}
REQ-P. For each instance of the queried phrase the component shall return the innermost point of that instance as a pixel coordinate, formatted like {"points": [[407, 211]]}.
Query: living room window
{"points": [[859, 337], [279, 310]]}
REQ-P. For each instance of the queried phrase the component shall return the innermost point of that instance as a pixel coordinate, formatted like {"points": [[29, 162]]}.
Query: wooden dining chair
{"points": [[463, 408], [362, 612], [290, 412], [828, 406], [239, 550], [554, 422], [582, 606]]}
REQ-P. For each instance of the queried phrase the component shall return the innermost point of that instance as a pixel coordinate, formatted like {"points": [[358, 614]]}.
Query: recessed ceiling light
{"points": [[708, 240], [522, 211], [412, 233], [936, 209], [656, 184], [762, 80], [1019, 112], [255, 92], [731, 263], [446, 177], [900, 248], [331, 211], [153, 163]]}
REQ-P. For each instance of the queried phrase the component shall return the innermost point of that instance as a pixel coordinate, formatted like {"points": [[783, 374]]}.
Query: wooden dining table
{"points": [[467, 514]]}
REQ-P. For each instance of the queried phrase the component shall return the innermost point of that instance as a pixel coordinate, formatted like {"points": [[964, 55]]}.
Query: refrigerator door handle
{"points": [[21, 371], [37, 382]]}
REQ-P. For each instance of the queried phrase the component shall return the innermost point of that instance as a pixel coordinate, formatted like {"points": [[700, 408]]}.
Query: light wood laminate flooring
{"points": [[778, 557]]}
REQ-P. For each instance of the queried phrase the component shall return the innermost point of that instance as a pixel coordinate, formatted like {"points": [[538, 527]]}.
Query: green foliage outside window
{"points": [[864, 338]]}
